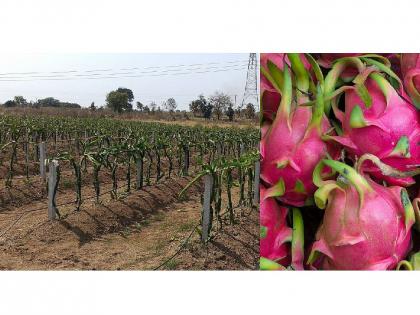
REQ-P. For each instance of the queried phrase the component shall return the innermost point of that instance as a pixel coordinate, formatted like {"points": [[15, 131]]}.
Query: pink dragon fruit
{"points": [[384, 124], [274, 230], [292, 147], [366, 226], [410, 69], [270, 97], [270, 90], [275, 235], [416, 206], [395, 60]]}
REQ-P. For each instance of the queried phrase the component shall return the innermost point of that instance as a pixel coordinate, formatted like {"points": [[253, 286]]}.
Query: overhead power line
{"points": [[121, 73], [54, 73], [128, 75]]}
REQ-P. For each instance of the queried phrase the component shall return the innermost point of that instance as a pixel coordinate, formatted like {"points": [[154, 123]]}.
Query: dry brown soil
{"points": [[139, 231]]}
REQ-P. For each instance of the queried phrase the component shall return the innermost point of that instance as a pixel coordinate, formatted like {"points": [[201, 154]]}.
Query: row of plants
{"points": [[227, 173], [97, 151], [107, 143]]}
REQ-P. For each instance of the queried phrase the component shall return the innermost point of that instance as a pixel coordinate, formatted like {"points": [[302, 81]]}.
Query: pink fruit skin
{"points": [[273, 218], [389, 122], [376, 238], [395, 60], [270, 98], [303, 151], [410, 64]]}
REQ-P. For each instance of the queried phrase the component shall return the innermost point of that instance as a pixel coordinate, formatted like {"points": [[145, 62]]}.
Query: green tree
{"points": [[139, 106], [48, 102], [9, 103], [92, 106], [128, 92], [20, 101], [117, 101], [130, 96], [220, 102], [249, 111], [198, 106], [230, 112], [207, 110]]}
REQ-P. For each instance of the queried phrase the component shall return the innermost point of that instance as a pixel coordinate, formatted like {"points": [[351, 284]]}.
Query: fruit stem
{"points": [[384, 168], [317, 110], [297, 240], [283, 112], [334, 74], [359, 182], [298, 68]]}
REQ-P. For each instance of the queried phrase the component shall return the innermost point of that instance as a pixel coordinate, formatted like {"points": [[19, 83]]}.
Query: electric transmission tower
{"points": [[251, 86]]}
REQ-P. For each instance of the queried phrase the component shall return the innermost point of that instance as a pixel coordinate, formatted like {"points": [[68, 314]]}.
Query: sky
{"points": [[86, 78]]}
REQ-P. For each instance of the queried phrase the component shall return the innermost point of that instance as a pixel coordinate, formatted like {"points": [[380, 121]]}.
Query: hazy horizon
{"points": [[86, 78]]}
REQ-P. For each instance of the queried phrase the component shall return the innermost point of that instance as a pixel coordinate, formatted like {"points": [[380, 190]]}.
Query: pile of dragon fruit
{"points": [[340, 162]]}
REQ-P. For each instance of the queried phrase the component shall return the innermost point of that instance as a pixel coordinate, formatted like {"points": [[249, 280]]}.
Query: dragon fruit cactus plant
{"points": [[410, 69], [280, 245], [293, 146], [377, 119], [366, 226]]}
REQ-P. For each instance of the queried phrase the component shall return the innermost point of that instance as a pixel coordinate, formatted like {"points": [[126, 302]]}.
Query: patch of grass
{"points": [[27, 181], [172, 264], [66, 183], [138, 226], [160, 245], [145, 222], [187, 226], [126, 231], [157, 247], [159, 216]]}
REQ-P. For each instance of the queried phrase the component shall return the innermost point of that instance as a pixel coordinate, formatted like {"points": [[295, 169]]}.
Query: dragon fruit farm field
{"points": [[80, 193]]}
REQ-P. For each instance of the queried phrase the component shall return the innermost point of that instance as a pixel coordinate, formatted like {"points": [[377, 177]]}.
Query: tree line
{"points": [[216, 105], [20, 101], [121, 100]]}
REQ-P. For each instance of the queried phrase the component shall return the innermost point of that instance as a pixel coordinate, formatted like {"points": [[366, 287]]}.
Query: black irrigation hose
{"points": [[185, 242], [19, 218]]}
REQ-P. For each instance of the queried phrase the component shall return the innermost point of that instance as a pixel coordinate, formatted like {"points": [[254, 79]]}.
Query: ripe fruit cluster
{"points": [[340, 152]]}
